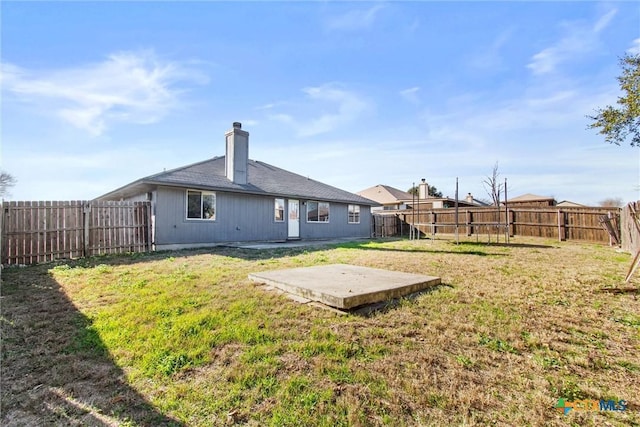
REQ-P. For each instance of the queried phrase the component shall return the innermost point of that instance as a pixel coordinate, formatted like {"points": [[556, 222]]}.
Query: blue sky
{"points": [[354, 94]]}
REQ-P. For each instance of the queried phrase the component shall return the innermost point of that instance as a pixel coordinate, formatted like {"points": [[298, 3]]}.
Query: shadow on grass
{"points": [[291, 250], [55, 368], [143, 257], [364, 246], [286, 250], [372, 310], [506, 245]]}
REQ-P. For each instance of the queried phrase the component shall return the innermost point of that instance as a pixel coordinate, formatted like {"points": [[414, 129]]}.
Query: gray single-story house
{"points": [[234, 199]]}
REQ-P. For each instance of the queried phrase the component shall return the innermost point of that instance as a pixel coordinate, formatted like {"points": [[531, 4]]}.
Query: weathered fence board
{"points": [[34, 232], [386, 226], [629, 233], [582, 224]]}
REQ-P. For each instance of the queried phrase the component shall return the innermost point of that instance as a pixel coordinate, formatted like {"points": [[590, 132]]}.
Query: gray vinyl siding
{"points": [[239, 218], [242, 217], [338, 225]]}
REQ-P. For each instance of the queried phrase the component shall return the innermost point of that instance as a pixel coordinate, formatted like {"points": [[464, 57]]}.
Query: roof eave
{"points": [[132, 189], [145, 185]]}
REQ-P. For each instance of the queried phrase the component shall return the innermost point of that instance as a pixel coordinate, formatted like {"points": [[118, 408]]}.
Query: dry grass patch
{"points": [[185, 338]]}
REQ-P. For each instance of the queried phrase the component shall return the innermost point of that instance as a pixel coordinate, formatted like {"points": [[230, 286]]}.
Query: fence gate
{"points": [[386, 226], [34, 232]]}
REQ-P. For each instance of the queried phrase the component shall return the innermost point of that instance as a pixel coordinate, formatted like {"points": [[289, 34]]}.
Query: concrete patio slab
{"points": [[345, 286]]}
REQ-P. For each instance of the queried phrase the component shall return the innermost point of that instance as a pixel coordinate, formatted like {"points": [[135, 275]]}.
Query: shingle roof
{"points": [[569, 204], [384, 194], [263, 179], [529, 198]]}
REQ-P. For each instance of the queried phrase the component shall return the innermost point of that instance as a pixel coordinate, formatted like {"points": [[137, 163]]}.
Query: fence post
{"points": [[610, 216], [86, 209], [384, 226], [3, 247], [561, 226], [512, 225], [434, 219]]}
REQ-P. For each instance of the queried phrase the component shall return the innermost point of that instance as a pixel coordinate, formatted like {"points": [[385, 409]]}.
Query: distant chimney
{"points": [[423, 189], [237, 155], [469, 198]]}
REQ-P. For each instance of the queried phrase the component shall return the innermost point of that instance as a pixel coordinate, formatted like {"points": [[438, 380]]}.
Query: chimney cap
{"points": [[237, 125]]}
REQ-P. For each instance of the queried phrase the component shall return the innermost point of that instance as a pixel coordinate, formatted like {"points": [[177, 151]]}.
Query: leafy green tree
{"points": [[617, 124], [433, 191]]}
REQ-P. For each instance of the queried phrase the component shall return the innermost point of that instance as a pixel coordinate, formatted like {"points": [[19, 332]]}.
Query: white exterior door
{"points": [[294, 219]]}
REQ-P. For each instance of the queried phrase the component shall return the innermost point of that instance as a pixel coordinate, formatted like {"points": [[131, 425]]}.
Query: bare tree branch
{"points": [[493, 187], [611, 202], [6, 181]]}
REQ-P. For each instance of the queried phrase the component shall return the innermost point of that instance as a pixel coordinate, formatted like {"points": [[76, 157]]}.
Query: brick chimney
{"points": [[237, 155]]}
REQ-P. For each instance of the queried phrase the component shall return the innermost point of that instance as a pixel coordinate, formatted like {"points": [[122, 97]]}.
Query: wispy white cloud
{"points": [[604, 20], [268, 106], [355, 20], [348, 105], [520, 131], [411, 95], [489, 125], [413, 27], [344, 107], [133, 87], [490, 57], [635, 47], [88, 171], [579, 38]]}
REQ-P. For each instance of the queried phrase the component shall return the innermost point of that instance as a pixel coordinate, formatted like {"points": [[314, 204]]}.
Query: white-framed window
{"points": [[317, 212], [354, 214], [201, 205], [278, 210]]}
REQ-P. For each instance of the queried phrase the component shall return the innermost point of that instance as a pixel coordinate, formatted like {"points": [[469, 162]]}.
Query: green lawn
{"points": [[184, 338]]}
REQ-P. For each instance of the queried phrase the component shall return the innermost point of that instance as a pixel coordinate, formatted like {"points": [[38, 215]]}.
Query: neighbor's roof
{"points": [[263, 179], [384, 194], [529, 198], [570, 204]]}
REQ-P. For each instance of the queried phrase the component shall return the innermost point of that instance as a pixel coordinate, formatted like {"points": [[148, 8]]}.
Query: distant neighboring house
{"points": [[393, 199], [445, 203], [233, 199], [472, 200], [389, 197], [569, 204], [531, 200]]}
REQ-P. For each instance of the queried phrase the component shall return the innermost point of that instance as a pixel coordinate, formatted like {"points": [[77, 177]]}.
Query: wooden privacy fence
{"points": [[387, 226], [34, 232], [630, 234], [555, 223]]}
